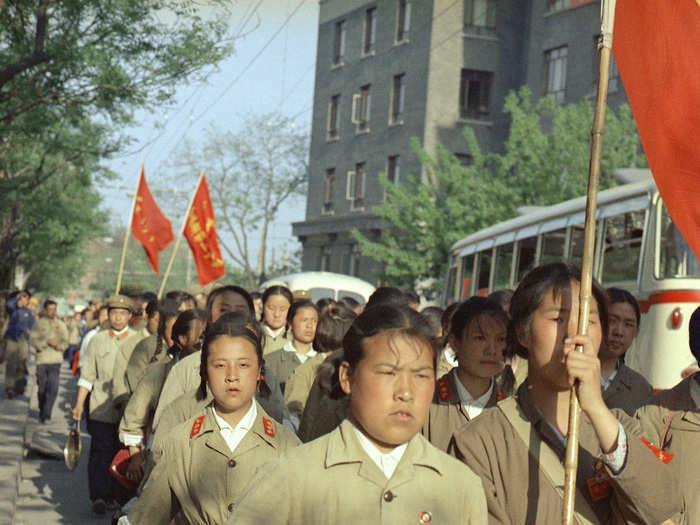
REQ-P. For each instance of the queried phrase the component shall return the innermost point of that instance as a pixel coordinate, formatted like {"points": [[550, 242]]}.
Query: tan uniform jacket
{"points": [[43, 330], [299, 384], [138, 416], [121, 390], [184, 377], [676, 408], [272, 344], [98, 370], [282, 363], [140, 358], [201, 477], [628, 390], [341, 484], [447, 413], [442, 366], [518, 491]]}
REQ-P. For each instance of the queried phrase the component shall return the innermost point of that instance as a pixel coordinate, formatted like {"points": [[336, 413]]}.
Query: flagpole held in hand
{"points": [[607, 10]]}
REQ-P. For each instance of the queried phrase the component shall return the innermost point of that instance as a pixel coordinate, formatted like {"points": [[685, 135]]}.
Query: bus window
{"points": [[504, 258], [467, 277], [676, 259], [351, 295], [576, 249], [527, 252], [482, 286], [553, 246], [451, 282], [623, 242]]}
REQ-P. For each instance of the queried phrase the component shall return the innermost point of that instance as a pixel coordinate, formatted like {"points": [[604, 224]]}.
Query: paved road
{"points": [[46, 493]]}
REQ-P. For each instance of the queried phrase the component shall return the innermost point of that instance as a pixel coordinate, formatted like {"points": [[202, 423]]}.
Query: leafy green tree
{"points": [[545, 161]]}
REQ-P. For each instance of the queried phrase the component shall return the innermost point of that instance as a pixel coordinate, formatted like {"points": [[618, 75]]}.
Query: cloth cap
{"points": [[119, 301], [301, 294], [694, 334]]}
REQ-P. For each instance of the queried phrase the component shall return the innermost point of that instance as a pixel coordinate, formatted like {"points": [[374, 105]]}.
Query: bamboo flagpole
{"points": [[607, 15], [126, 235], [179, 239]]}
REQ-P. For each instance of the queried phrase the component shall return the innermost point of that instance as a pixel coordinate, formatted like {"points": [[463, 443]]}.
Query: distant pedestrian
{"points": [[17, 341]]}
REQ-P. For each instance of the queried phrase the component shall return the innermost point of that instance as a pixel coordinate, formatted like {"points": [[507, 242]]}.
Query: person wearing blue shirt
{"points": [[17, 338]]}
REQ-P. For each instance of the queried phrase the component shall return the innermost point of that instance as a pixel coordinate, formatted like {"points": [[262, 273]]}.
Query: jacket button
{"points": [[230, 507], [388, 496], [231, 463]]}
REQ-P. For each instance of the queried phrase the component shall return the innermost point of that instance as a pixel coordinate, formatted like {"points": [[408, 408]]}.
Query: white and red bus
{"points": [[638, 248]]}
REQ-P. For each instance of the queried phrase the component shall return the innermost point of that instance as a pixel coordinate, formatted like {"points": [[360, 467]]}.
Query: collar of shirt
{"points": [[120, 332], [695, 390], [605, 383], [231, 435], [388, 462], [273, 333], [474, 407], [450, 355], [289, 347]]}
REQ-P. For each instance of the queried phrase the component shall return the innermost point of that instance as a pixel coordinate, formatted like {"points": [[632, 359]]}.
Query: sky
{"points": [[272, 69]]}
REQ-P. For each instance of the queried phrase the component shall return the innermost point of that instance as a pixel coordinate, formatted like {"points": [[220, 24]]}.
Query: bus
{"points": [[325, 284], [637, 248]]}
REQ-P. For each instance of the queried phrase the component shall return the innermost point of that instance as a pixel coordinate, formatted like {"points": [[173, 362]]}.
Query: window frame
{"points": [[485, 81], [328, 183], [472, 26], [403, 23], [339, 42], [369, 33], [396, 114], [548, 87], [333, 119]]}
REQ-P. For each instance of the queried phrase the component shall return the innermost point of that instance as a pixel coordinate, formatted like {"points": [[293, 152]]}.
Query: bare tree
{"points": [[251, 174]]}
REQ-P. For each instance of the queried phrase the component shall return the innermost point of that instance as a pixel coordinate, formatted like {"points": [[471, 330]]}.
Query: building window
{"points": [[465, 159], [403, 21], [393, 169], [475, 94], [362, 106], [480, 15], [555, 73], [339, 46], [333, 114], [370, 38], [398, 93], [557, 5], [325, 259], [355, 186], [328, 190]]}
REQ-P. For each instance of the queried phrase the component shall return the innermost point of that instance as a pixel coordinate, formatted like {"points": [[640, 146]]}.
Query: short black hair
{"points": [[618, 295], [48, 303], [388, 295]]}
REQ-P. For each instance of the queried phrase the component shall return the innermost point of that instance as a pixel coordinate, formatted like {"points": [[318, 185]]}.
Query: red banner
{"points": [[656, 46], [148, 224], [200, 232]]}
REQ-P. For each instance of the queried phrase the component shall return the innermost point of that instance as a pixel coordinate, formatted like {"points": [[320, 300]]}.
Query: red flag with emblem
{"points": [[200, 232], [148, 224], [656, 45]]}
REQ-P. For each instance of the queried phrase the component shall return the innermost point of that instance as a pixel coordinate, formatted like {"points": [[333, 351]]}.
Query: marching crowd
{"points": [[249, 408]]}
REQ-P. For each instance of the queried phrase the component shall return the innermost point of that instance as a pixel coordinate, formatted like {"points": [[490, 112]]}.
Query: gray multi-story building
{"points": [[389, 70]]}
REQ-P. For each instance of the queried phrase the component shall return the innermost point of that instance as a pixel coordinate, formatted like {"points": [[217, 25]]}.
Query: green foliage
{"points": [[545, 161]]}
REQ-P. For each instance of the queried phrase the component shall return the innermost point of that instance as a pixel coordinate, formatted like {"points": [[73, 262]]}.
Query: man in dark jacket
{"points": [[17, 339]]}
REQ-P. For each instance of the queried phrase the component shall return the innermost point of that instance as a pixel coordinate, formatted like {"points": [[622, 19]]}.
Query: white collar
{"points": [[450, 355], [231, 435], [605, 383], [271, 332], [289, 347], [388, 462], [120, 332], [695, 391], [473, 406]]}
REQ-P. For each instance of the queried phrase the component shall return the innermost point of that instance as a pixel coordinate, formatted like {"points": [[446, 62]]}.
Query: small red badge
{"points": [[197, 426], [269, 428], [425, 517], [443, 389], [599, 486], [661, 455]]}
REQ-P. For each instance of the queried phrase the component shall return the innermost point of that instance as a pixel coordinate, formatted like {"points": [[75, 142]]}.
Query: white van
{"points": [[324, 284]]}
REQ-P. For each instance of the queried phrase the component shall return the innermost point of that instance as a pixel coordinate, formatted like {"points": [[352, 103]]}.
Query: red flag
{"points": [[150, 227], [200, 232], [657, 49]]}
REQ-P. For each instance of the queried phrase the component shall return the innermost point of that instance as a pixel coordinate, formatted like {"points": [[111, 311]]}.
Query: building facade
{"points": [[390, 70]]}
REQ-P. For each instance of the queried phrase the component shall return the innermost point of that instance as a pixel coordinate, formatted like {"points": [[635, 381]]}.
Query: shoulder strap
{"points": [[548, 461]]}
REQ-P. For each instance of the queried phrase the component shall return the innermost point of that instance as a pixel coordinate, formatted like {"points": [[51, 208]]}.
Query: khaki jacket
{"points": [[43, 330], [679, 447], [519, 491], [341, 484], [141, 357], [447, 413], [299, 384], [282, 363], [272, 344], [121, 389], [98, 370], [201, 477], [628, 390]]}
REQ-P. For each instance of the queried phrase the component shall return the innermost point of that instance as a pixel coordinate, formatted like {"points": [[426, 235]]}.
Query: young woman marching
{"points": [[302, 320], [208, 460], [276, 300], [622, 387], [478, 337], [518, 448], [375, 467]]}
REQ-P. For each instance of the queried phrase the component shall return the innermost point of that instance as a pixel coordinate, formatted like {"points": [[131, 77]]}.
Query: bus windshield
{"points": [[675, 259]]}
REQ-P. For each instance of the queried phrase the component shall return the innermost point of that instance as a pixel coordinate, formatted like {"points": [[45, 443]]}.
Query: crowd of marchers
{"points": [[233, 407]]}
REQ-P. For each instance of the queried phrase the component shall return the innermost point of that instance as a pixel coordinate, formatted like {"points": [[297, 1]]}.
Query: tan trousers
{"points": [[15, 367]]}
